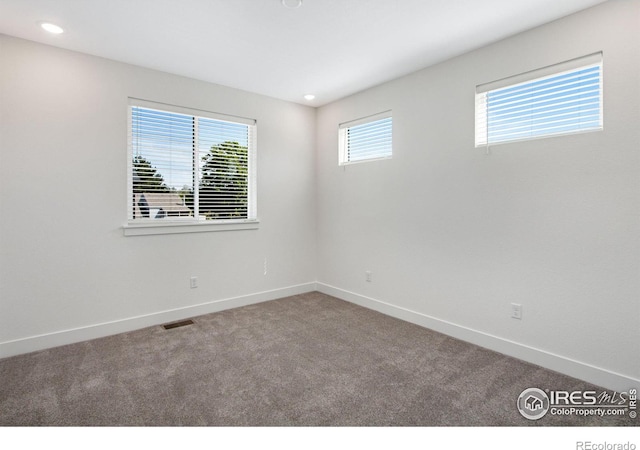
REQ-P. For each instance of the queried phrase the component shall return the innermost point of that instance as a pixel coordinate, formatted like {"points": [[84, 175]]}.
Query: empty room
{"points": [[320, 213]]}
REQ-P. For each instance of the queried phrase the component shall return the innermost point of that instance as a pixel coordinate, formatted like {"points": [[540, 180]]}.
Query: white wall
{"points": [[452, 236], [64, 262]]}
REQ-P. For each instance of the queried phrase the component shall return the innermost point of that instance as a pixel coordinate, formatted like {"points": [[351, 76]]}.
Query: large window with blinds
{"points": [[560, 99], [366, 139], [189, 166]]}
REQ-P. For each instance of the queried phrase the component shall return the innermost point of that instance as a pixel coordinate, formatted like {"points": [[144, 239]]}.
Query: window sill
{"points": [[365, 160], [148, 228]]}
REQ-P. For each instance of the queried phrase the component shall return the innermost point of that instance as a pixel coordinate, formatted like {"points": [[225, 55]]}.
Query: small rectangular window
{"points": [[189, 166], [560, 99], [366, 139]]}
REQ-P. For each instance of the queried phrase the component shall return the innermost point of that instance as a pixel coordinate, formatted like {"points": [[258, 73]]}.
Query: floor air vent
{"points": [[182, 323]]}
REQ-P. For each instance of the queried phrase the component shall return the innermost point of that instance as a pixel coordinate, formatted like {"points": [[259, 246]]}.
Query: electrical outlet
{"points": [[368, 276], [193, 282], [265, 267], [516, 311]]}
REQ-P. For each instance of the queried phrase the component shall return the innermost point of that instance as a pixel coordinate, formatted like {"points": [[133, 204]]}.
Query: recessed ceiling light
{"points": [[309, 97], [51, 28], [292, 4]]}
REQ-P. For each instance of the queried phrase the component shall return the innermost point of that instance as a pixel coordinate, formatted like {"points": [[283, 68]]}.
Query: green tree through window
{"points": [[224, 182]]}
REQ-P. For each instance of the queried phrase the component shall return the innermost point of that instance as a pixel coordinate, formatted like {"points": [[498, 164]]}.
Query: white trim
{"points": [[377, 158], [149, 228], [190, 111], [553, 69], [367, 119], [586, 372], [75, 335]]}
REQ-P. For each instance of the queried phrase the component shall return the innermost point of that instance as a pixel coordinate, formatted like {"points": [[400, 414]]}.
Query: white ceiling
{"points": [[331, 48]]}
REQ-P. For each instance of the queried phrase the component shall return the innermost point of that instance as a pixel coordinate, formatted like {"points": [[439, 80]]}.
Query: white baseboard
{"points": [[595, 375], [58, 338], [576, 369]]}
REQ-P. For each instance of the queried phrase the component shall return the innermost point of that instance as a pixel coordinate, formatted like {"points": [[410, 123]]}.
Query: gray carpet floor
{"points": [[306, 360]]}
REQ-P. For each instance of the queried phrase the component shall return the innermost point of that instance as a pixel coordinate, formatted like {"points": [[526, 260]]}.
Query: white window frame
{"points": [[482, 121], [146, 226], [344, 129]]}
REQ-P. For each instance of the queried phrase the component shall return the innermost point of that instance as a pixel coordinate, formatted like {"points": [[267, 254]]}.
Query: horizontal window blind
{"points": [[189, 167], [563, 102], [367, 138]]}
